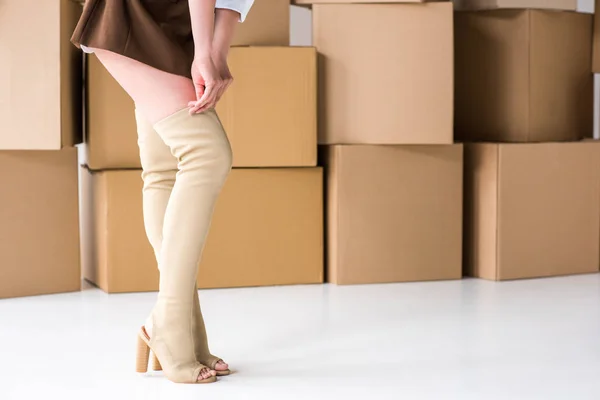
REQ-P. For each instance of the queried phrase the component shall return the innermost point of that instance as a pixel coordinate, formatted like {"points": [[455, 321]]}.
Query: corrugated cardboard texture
{"points": [[394, 213], [385, 73], [267, 24], [567, 5], [533, 210], [269, 113], [39, 232], [267, 230], [523, 76], [40, 75], [111, 141]]}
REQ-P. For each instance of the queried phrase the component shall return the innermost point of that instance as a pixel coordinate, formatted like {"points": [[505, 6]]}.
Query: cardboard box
{"points": [[564, 5], [40, 75], [394, 213], [385, 73], [117, 256], [267, 230], [39, 232], [267, 24], [523, 76], [531, 210], [111, 131], [269, 113]]}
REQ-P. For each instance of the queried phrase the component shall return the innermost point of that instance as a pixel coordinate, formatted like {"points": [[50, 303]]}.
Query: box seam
{"points": [[338, 157], [497, 219], [105, 233], [529, 60], [61, 49]]}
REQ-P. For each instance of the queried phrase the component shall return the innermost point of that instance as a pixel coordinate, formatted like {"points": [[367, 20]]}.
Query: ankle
{"points": [[148, 326]]}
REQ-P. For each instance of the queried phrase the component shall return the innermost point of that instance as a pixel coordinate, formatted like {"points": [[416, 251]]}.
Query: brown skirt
{"points": [[155, 32]]}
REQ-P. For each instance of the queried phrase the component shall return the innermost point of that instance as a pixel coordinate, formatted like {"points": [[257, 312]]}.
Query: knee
{"points": [[226, 159], [221, 158], [212, 159]]}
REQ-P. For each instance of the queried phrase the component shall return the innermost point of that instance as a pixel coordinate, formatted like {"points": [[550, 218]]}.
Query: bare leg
{"points": [[203, 154], [157, 94]]}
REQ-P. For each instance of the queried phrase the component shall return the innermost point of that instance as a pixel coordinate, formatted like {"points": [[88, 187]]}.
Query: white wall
{"points": [[585, 6], [301, 26]]}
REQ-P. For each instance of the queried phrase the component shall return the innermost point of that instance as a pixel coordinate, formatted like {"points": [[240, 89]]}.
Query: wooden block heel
{"points": [[155, 363], [142, 355]]}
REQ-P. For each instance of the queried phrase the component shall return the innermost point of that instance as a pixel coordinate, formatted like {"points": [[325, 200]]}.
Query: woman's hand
{"points": [[220, 62], [208, 85]]}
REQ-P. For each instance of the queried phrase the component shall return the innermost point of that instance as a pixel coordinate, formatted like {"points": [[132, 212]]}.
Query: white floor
{"points": [[534, 339]]}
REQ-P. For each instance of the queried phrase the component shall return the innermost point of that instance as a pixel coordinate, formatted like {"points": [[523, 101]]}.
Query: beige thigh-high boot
{"points": [[159, 174], [204, 159]]}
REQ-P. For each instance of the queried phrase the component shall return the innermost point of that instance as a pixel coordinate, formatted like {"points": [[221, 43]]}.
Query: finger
{"points": [[195, 109], [206, 108], [200, 90], [209, 93], [194, 106], [215, 95]]}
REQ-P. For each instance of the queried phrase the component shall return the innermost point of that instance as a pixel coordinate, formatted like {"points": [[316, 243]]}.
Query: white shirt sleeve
{"points": [[241, 6]]}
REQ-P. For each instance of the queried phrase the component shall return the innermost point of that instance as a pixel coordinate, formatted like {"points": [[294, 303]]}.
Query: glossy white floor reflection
{"points": [[534, 339]]}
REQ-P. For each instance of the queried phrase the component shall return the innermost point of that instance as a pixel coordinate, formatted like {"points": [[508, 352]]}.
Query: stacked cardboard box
{"points": [[268, 223], [523, 82], [40, 108], [394, 176]]}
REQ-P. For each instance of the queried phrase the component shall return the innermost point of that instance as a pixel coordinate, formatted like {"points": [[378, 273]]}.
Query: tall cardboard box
{"points": [[39, 229], [267, 230], [394, 213], [531, 210], [523, 76], [269, 113], [267, 24], [385, 73], [40, 75], [564, 5]]}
